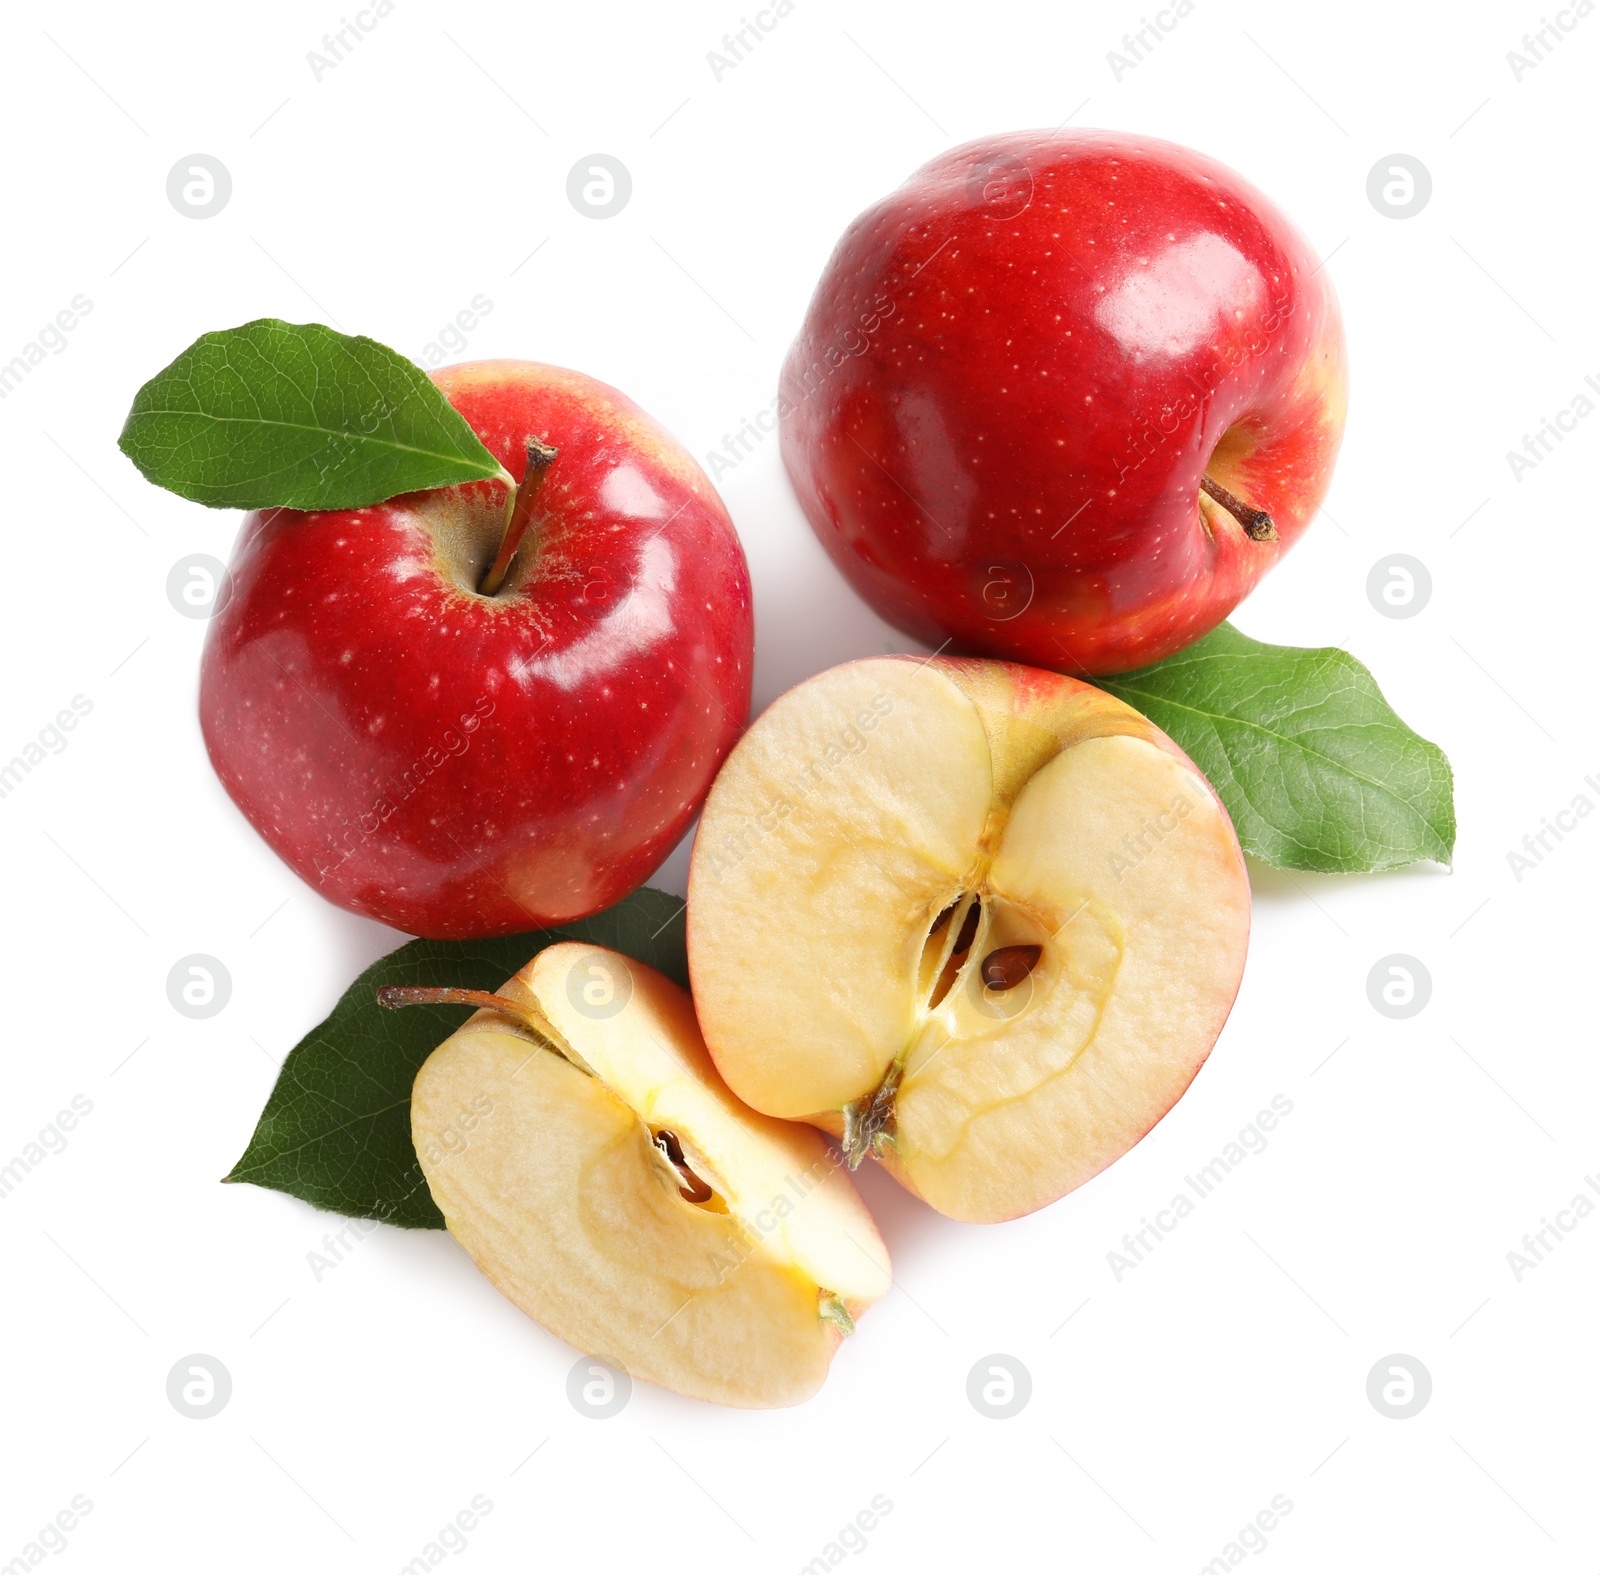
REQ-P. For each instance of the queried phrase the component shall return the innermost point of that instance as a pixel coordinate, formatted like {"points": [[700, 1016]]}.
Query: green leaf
{"points": [[336, 1130], [1315, 768], [294, 415]]}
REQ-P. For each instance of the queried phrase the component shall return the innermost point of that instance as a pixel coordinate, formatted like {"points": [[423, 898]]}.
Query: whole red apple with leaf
{"points": [[487, 637]]}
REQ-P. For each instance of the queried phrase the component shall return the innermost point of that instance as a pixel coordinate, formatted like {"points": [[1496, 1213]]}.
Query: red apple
{"points": [[1065, 397], [460, 764]]}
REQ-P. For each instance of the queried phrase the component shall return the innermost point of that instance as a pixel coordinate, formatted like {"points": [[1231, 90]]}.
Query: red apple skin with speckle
{"points": [[1017, 369], [457, 765]]}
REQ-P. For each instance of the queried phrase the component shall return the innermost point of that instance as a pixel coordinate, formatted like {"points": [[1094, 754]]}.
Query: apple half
{"points": [[981, 921], [584, 1151]]}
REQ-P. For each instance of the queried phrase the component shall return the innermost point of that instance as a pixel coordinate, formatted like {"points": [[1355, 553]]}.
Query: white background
{"points": [[1167, 1408]]}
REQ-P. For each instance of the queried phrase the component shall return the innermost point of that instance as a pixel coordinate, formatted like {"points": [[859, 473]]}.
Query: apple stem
{"points": [[832, 1308], [394, 996], [1257, 523], [868, 1120], [540, 458]]}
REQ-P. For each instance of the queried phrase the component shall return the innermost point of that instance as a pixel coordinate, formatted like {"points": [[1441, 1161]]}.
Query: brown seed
{"points": [[969, 928], [691, 1186], [1006, 968]]}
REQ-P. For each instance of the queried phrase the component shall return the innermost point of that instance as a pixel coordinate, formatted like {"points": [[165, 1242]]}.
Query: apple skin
{"points": [[1017, 368], [460, 766]]}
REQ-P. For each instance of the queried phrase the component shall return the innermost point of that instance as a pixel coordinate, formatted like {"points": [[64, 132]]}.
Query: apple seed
{"points": [[693, 1188], [1007, 967]]}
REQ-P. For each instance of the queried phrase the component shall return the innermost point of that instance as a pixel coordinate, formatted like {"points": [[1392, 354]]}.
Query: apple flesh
{"points": [[601, 1175], [459, 764], [980, 920], [1065, 397]]}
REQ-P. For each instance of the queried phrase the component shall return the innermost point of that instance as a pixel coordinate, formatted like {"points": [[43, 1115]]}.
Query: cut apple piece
{"points": [[981, 921], [584, 1151]]}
